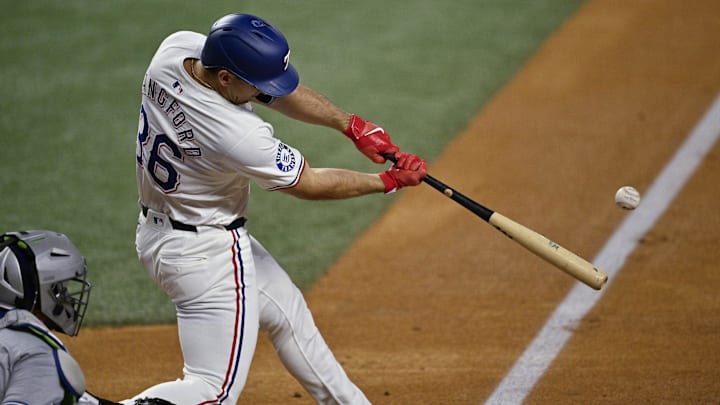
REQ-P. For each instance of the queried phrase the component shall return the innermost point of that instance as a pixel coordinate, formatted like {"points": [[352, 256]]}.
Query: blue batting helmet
{"points": [[253, 50]]}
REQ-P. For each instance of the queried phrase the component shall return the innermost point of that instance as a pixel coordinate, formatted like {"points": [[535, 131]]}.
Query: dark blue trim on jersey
{"points": [[295, 180]]}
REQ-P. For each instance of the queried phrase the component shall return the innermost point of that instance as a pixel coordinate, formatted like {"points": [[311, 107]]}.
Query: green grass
{"points": [[69, 97]]}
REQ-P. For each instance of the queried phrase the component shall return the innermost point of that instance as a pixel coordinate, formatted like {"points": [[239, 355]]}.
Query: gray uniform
{"points": [[29, 371]]}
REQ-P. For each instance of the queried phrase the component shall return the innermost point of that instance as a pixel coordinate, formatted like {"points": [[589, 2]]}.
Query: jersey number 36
{"points": [[161, 156]]}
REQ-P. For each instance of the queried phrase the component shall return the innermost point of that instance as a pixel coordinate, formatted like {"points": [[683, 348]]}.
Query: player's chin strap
{"points": [[265, 99]]}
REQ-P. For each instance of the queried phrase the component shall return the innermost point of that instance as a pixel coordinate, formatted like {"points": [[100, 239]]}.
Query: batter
{"points": [[200, 144]]}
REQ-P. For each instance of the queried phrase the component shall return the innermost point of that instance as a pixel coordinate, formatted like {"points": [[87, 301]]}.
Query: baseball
{"points": [[627, 197]]}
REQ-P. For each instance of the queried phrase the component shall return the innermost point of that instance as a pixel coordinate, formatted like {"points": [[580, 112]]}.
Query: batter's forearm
{"points": [[335, 184], [307, 105]]}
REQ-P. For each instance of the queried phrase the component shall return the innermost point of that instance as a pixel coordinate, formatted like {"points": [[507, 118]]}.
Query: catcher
{"points": [[43, 287]]}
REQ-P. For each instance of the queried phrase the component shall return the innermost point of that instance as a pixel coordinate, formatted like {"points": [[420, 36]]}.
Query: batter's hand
{"points": [[408, 170], [370, 139]]}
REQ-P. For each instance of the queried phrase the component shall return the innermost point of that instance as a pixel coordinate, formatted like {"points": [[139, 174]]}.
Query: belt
{"points": [[238, 223]]}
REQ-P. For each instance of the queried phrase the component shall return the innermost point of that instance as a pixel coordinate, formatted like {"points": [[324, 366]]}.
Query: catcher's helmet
{"points": [[42, 271], [252, 50]]}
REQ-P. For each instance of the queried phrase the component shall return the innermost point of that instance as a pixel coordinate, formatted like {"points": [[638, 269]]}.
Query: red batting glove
{"points": [[409, 170], [370, 139]]}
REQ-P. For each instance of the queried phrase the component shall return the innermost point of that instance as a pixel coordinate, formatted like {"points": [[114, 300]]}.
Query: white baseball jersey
{"points": [[197, 152]]}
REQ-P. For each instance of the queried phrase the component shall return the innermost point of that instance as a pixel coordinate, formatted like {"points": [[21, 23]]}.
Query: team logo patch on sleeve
{"points": [[285, 158]]}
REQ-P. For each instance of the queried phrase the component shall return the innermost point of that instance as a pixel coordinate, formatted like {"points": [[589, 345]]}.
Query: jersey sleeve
{"points": [[270, 163]]}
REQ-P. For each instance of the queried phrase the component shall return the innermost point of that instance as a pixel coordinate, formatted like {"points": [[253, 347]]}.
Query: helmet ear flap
{"points": [[28, 271], [30, 278]]}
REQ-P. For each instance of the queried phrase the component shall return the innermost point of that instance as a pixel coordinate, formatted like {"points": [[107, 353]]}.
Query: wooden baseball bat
{"points": [[538, 244]]}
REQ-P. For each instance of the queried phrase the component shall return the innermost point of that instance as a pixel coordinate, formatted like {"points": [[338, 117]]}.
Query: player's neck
{"points": [[214, 81], [199, 74]]}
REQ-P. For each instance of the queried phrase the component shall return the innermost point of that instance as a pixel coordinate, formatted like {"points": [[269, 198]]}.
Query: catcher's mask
{"points": [[43, 272]]}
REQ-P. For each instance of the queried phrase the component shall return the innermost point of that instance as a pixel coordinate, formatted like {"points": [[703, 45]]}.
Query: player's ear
{"points": [[225, 77]]}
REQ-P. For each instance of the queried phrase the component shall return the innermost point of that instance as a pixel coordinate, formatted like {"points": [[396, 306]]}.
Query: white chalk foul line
{"points": [[528, 369]]}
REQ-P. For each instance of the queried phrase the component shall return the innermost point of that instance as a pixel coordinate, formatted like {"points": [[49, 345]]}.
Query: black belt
{"points": [[238, 223]]}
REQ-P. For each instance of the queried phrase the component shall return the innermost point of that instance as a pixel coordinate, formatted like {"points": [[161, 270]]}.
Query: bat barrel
{"points": [[552, 252]]}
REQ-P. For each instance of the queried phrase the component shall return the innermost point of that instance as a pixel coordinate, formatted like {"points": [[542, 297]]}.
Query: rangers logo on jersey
{"points": [[285, 158]]}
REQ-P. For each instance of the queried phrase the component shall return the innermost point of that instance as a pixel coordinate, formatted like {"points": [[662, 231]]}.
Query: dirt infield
{"points": [[442, 318]]}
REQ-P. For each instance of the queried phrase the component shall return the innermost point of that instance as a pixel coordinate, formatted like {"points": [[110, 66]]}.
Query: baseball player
{"points": [[200, 144]]}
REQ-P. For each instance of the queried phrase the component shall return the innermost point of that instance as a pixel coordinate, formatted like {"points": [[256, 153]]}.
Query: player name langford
{"points": [[152, 90], [165, 100]]}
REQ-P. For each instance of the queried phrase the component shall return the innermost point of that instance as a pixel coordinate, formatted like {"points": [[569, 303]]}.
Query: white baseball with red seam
{"points": [[627, 197]]}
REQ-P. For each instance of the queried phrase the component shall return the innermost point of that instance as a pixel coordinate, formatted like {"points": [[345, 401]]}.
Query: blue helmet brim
{"points": [[280, 86]]}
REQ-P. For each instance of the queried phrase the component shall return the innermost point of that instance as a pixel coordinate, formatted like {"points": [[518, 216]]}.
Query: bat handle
{"points": [[478, 209], [389, 156]]}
